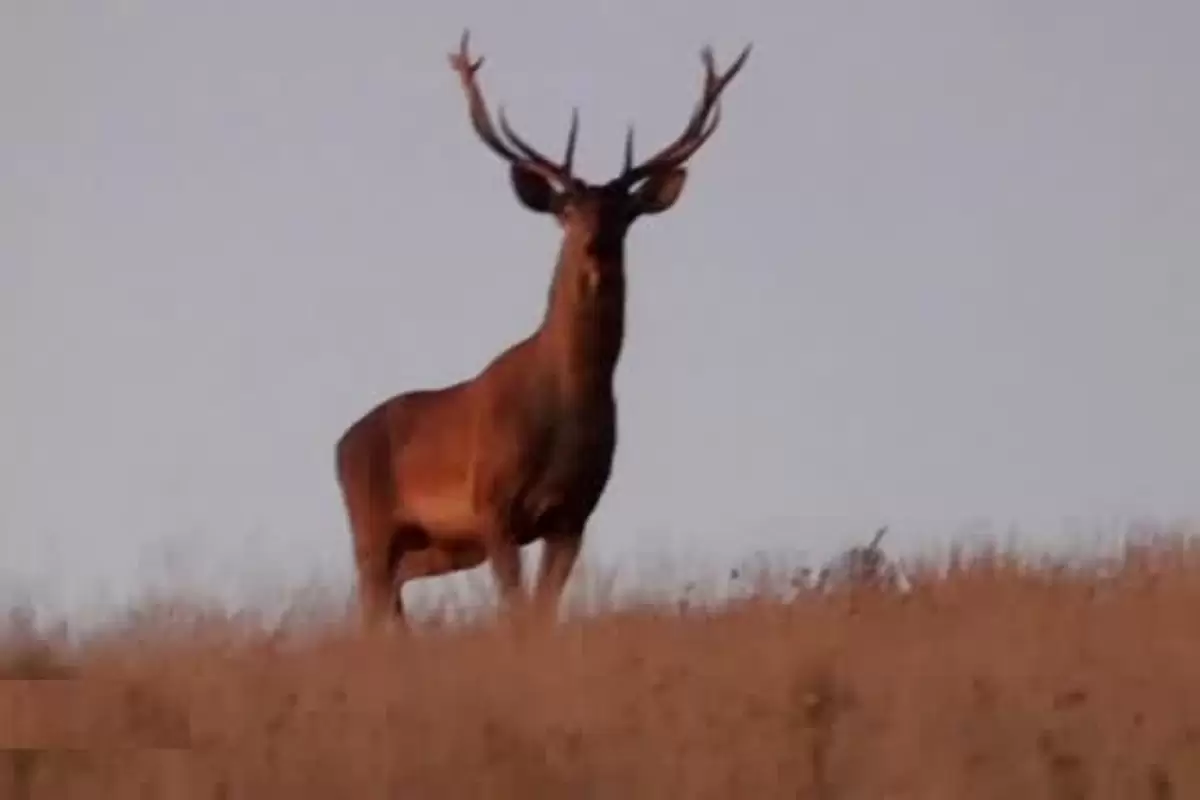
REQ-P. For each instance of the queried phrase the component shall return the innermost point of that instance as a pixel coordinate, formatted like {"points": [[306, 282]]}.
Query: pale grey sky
{"points": [[938, 265]]}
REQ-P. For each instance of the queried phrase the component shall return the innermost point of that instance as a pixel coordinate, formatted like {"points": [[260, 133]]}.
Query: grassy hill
{"points": [[994, 678]]}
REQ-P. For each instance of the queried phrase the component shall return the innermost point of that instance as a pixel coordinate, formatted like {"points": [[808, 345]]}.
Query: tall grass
{"points": [[991, 676]]}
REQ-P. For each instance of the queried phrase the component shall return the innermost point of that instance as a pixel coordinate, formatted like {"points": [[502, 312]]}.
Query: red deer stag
{"points": [[440, 480], [862, 566]]}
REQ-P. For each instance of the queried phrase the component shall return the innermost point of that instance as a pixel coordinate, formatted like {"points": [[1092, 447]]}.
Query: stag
{"points": [[440, 480], [861, 566]]}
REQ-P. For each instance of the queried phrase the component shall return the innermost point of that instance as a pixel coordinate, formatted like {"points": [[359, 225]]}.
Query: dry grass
{"points": [[996, 680]]}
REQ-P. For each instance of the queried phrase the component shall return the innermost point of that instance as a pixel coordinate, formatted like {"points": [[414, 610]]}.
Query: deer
{"points": [[862, 566], [440, 480]]}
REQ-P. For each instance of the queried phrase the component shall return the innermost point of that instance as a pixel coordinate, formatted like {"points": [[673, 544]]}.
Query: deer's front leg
{"points": [[559, 553], [504, 554]]}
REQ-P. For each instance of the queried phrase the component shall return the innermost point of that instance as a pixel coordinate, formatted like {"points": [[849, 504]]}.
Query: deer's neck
{"points": [[584, 326]]}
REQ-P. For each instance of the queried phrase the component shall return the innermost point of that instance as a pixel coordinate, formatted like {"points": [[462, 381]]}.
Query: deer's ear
{"points": [[534, 191], [659, 192]]}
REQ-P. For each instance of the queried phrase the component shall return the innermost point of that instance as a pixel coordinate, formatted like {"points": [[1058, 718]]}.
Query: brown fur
{"points": [[440, 480]]}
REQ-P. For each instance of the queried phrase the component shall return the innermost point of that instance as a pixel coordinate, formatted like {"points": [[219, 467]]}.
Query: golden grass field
{"points": [[991, 679]]}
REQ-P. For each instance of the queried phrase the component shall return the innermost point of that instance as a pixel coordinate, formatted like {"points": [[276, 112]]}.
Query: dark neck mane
{"points": [[584, 325]]}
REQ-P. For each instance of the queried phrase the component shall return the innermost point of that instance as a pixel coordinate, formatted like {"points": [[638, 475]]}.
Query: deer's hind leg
{"points": [[374, 557], [374, 590]]}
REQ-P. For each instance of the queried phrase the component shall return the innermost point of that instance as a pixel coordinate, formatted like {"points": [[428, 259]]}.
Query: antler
{"points": [[696, 132], [877, 538], [516, 150]]}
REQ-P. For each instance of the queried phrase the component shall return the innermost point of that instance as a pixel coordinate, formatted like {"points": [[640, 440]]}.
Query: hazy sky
{"points": [[940, 264]]}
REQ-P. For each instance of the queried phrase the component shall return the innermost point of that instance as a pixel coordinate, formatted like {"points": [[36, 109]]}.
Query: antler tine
{"points": [[690, 145], [562, 173], [524, 154], [699, 127], [714, 85], [572, 135], [628, 150], [480, 121], [878, 537], [681, 153]]}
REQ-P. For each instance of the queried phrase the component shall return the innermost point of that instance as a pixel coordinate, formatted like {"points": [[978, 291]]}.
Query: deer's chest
{"points": [[576, 438], [568, 457]]}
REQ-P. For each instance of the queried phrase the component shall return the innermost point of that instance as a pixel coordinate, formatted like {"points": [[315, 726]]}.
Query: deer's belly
{"points": [[441, 510]]}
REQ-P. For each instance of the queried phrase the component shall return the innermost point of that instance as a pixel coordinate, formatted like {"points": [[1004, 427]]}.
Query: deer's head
{"points": [[596, 216]]}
